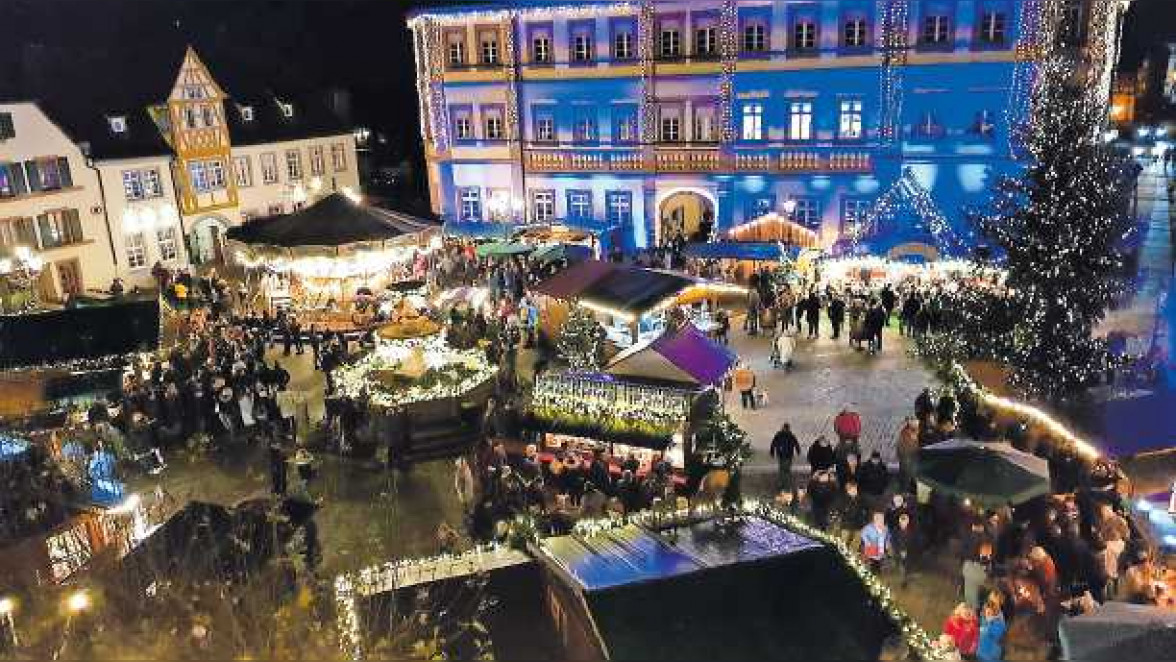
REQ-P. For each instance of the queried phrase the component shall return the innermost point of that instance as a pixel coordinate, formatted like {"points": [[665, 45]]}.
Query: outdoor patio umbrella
{"points": [[555, 252], [991, 474], [502, 249]]}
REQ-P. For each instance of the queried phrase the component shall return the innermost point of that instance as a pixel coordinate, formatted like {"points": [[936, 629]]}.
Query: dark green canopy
{"points": [[991, 474]]}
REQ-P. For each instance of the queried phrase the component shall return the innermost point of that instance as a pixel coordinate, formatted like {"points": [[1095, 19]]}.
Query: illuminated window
{"points": [[855, 33], [753, 121], [992, 27], [849, 123], [489, 43], [580, 204], [936, 29], [132, 184], [704, 125], [456, 52], [807, 212], [471, 204], [152, 186], [544, 126], [463, 128], [543, 206], [585, 129], [620, 207], [493, 126], [853, 214], [626, 129], [755, 37], [206, 175], [800, 120], [59, 227], [339, 157]]}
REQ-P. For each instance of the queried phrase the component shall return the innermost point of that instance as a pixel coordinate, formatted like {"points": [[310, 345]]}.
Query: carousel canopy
{"points": [[764, 251], [333, 221], [683, 356]]}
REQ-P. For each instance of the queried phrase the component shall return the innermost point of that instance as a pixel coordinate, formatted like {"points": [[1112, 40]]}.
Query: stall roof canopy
{"points": [[765, 251], [571, 282], [633, 290], [684, 356], [774, 572], [481, 229], [333, 221]]}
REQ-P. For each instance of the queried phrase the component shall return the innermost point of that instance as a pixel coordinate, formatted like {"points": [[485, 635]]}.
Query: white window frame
{"points": [[339, 156], [936, 29], [627, 128], [853, 212], [755, 37], [993, 27], [704, 125], [543, 205], [751, 125], [136, 246], [545, 129], [620, 207], [856, 32], [216, 174], [706, 41], [455, 53], [623, 45], [152, 183], [541, 48], [670, 129], [582, 47], [294, 164], [198, 175], [167, 243], [488, 46], [494, 127], [585, 130], [470, 203], [133, 185], [800, 120], [242, 171], [580, 204], [269, 168], [318, 165], [804, 36], [669, 42], [849, 120], [807, 212], [463, 128]]}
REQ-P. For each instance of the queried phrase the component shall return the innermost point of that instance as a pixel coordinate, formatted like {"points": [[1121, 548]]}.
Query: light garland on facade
{"points": [[646, 26], [547, 12], [892, 14], [729, 51]]}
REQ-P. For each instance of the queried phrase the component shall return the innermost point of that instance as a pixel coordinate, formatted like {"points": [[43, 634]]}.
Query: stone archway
{"points": [[686, 212], [208, 240]]}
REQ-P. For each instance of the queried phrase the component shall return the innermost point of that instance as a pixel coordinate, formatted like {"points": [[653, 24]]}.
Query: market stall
{"points": [[630, 302], [647, 402], [772, 227], [322, 259]]}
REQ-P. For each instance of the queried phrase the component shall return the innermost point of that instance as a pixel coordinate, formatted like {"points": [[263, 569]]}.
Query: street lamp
{"points": [[78, 602]]}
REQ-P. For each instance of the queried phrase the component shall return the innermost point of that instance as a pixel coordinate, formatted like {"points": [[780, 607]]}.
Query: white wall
{"points": [[38, 136], [257, 198], [147, 216]]}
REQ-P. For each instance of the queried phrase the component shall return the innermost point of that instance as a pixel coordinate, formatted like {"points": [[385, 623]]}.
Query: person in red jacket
{"points": [[964, 629]]}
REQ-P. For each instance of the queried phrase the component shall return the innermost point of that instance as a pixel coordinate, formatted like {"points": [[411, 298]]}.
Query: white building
{"points": [[101, 190]]}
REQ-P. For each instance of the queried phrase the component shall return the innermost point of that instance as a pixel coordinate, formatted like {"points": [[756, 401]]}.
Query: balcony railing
{"points": [[685, 158]]}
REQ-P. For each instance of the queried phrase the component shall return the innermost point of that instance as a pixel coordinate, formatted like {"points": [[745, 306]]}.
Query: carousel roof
{"points": [[684, 356], [332, 221]]}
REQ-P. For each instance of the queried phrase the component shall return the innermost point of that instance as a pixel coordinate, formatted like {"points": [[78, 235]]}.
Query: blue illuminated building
{"points": [[663, 117]]}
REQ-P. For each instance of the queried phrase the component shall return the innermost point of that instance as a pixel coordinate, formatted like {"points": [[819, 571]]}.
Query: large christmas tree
{"points": [[1061, 224], [579, 340]]}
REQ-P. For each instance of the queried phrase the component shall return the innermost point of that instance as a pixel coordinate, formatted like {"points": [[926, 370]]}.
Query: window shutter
{"points": [[73, 225], [34, 175], [63, 172], [7, 130], [46, 231]]}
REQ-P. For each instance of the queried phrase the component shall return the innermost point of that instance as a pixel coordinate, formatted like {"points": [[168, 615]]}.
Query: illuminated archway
{"points": [[684, 211], [207, 239]]}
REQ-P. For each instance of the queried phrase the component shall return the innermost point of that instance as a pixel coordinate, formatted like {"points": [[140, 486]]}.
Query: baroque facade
{"points": [[661, 117]]}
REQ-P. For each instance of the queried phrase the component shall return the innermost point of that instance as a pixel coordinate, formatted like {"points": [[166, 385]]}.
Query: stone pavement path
{"points": [[827, 376]]}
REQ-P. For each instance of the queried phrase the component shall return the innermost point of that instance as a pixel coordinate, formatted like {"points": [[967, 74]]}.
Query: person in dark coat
{"points": [[888, 299], [873, 477], [784, 448], [875, 320], [822, 491], [277, 458], [836, 311], [812, 314], [820, 455], [598, 473]]}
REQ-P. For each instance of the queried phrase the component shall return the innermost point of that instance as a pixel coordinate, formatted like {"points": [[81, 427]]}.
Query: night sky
{"points": [[47, 46]]}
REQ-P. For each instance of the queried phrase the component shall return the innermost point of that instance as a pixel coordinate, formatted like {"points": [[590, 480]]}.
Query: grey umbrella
{"points": [[991, 474]]}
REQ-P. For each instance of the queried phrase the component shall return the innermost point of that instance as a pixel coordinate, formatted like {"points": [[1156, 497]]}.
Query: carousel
{"points": [[419, 389], [334, 262]]}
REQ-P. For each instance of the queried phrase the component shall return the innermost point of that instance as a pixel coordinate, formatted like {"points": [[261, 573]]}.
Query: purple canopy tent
{"points": [[683, 356]]}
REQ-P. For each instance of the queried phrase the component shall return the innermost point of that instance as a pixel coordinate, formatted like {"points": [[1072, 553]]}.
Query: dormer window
{"points": [[118, 123], [247, 113], [287, 108]]}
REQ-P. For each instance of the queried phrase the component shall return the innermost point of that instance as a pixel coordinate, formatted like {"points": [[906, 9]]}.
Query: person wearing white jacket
{"points": [[785, 346]]}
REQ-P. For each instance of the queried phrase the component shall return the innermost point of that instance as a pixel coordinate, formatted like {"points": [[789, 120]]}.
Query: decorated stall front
{"points": [[631, 303], [328, 259], [648, 401]]}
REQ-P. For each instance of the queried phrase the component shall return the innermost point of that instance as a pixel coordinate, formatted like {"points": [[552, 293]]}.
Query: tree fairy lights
{"points": [[1062, 225], [892, 15]]}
